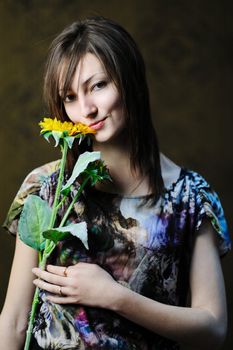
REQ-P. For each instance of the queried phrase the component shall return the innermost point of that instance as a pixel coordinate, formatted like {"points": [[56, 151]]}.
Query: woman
{"points": [[155, 231]]}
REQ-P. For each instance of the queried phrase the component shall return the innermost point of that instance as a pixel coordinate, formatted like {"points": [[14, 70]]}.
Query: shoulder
{"points": [[178, 178], [40, 173], [34, 180], [31, 185], [189, 190], [188, 194], [170, 171]]}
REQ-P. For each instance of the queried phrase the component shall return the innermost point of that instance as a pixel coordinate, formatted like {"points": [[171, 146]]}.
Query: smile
{"points": [[98, 125]]}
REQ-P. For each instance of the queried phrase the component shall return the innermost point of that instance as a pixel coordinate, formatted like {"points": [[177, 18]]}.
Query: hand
{"points": [[83, 283]]}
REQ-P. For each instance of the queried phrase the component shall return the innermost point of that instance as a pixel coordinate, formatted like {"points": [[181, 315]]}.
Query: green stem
{"points": [[61, 202], [32, 316], [59, 184], [47, 244], [39, 256], [52, 245], [74, 201]]}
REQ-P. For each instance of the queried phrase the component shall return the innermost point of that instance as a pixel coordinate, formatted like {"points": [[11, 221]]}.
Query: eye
{"points": [[69, 97], [99, 85]]}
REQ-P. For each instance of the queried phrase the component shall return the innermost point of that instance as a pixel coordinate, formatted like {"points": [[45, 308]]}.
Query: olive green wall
{"points": [[187, 46]]}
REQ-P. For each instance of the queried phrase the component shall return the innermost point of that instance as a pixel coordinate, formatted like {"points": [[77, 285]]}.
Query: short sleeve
{"points": [[208, 205], [31, 185]]}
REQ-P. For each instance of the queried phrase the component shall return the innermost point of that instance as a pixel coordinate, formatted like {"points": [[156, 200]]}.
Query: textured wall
{"points": [[188, 50]]}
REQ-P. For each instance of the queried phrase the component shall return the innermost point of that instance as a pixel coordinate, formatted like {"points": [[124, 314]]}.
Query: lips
{"points": [[98, 125]]}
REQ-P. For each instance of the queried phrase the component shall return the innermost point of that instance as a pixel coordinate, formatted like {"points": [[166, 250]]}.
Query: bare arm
{"points": [[14, 316], [201, 326], [204, 324]]}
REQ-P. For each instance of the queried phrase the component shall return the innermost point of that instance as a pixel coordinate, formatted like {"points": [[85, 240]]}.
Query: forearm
{"points": [[201, 326], [12, 336], [192, 327], [14, 316]]}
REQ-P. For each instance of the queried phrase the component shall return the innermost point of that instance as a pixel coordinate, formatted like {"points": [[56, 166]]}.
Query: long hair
{"points": [[124, 65]]}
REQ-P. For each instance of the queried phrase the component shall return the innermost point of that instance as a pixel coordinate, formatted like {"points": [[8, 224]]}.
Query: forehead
{"points": [[88, 65], [79, 72]]}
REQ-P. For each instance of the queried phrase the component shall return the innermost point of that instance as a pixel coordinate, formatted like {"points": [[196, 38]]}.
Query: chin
{"points": [[103, 137], [109, 137]]}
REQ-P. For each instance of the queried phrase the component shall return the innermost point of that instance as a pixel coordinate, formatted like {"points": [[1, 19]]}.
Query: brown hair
{"points": [[124, 65]]}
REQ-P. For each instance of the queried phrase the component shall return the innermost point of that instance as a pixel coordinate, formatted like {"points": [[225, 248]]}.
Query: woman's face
{"points": [[93, 100]]}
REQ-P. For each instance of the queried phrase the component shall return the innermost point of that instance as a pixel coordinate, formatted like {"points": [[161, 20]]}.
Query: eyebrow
{"points": [[91, 77], [86, 82]]}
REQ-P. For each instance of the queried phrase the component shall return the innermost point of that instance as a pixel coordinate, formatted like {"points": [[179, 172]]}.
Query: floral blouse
{"points": [[146, 248]]}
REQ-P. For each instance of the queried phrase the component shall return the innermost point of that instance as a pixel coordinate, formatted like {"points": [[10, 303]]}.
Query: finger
{"points": [[52, 288], [61, 300], [50, 277], [69, 271], [58, 270], [79, 266]]}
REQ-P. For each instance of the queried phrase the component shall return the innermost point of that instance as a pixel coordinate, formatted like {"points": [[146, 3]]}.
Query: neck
{"points": [[113, 153], [126, 181]]}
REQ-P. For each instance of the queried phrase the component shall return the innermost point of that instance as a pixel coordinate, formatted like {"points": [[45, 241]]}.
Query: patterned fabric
{"points": [[147, 249]]}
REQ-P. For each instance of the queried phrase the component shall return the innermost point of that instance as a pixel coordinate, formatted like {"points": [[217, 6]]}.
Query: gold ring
{"points": [[65, 271]]}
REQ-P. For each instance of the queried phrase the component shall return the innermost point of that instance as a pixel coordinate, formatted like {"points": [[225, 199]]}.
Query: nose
{"points": [[88, 109]]}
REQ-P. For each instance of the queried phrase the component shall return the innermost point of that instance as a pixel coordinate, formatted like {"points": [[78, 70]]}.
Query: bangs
{"points": [[68, 65], [66, 71], [66, 52]]}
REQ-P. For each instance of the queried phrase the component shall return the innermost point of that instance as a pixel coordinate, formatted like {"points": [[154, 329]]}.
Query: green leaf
{"points": [[81, 138], [66, 191], [34, 219], [57, 135], [78, 230], [55, 235], [97, 171], [69, 140], [47, 135], [81, 164]]}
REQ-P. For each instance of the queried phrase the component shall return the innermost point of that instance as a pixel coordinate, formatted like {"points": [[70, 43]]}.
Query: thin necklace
{"points": [[137, 186]]}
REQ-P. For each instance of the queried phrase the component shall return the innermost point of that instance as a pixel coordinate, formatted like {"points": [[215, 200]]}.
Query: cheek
{"points": [[111, 102], [72, 113]]}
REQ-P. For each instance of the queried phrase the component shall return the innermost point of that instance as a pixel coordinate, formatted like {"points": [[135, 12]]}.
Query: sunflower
{"points": [[49, 125]]}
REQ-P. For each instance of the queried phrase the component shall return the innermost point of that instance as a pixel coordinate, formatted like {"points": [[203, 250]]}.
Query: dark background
{"points": [[187, 46]]}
